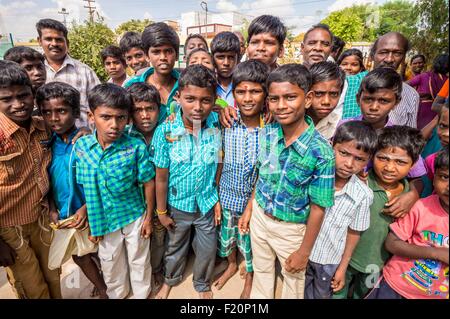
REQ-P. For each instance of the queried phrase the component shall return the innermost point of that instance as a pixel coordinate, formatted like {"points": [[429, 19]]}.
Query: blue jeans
{"points": [[318, 281], [204, 245]]}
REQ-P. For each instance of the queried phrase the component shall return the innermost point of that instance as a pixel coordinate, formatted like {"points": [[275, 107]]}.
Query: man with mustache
{"points": [[60, 66], [316, 45], [389, 50]]}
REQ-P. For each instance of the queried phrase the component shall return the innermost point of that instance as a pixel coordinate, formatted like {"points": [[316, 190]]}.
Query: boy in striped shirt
{"points": [[354, 145]]}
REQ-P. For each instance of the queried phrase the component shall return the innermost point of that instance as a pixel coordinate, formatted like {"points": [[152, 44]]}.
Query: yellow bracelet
{"points": [[158, 212]]}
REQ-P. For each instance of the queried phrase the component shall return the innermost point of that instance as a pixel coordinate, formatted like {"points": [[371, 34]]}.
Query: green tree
{"points": [[345, 24], [86, 42], [431, 37], [132, 25], [397, 15]]}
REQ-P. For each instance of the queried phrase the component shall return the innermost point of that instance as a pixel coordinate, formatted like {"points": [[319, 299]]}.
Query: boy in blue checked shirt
{"points": [[186, 156], [354, 145], [295, 185], [59, 104], [145, 113], [110, 167], [238, 172]]}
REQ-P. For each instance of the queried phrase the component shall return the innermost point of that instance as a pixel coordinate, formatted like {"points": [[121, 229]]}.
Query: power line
{"points": [[91, 9]]}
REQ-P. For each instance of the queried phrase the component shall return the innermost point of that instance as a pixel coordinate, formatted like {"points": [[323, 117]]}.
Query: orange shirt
{"points": [[444, 90], [24, 181]]}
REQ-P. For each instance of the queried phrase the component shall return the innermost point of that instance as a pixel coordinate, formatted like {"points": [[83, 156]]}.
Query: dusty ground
{"points": [[76, 286]]}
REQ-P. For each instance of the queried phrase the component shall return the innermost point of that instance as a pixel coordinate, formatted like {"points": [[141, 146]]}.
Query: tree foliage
{"points": [[346, 25], [132, 25], [87, 40]]}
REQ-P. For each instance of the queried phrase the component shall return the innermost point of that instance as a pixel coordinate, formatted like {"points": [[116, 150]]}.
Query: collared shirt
{"points": [[239, 174], [192, 163], [111, 179], [327, 126], [351, 209], [226, 94], [127, 78], [405, 113], [132, 131], [165, 109], [80, 76], [24, 183], [67, 194], [370, 255], [291, 178]]}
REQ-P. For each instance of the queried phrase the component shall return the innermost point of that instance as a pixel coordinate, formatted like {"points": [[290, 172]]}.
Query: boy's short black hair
{"points": [[268, 24], [51, 24], [226, 42], [337, 44], [195, 51], [64, 91], [404, 137], [195, 36], [296, 74], [13, 74], [382, 78], [197, 75], [251, 71], [110, 95], [143, 92], [130, 40], [361, 132], [157, 34], [352, 52], [21, 53], [441, 161], [112, 51], [327, 71], [319, 26]]}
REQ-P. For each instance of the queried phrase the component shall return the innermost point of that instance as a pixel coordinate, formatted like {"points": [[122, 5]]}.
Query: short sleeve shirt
{"points": [[426, 225], [111, 179], [191, 161], [291, 178]]}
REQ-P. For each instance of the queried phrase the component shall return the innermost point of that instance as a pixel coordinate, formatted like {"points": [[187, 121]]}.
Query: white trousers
{"points": [[125, 260], [271, 239]]}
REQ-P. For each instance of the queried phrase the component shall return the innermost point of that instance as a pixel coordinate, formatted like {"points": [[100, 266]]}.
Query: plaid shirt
{"points": [[241, 147], [132, 131], [192, 163], [290, 178], [111, 179], [351, 107]]}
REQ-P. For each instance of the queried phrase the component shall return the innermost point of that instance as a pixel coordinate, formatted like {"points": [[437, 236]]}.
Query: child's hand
{"points": [[296, 262], [54, 217], [226, 116], [401, 205], [146, 229], [441, 254], [167, 222], [81, 132], [95, 239], [243, 223], [338, 281], [7, 255], [80, 219], [217, 214]]}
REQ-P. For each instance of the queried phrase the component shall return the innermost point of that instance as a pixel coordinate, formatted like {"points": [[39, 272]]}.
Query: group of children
{"points": [[168, 167]]}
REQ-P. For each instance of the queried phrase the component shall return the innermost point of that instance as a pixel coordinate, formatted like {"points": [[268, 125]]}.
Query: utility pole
{"points": [[91, 9], [204, 6], [64, 12]]}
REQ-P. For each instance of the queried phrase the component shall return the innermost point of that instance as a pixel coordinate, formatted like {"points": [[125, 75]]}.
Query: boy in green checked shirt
{"points": [[186, 158], [295, 185], [111, 166]]}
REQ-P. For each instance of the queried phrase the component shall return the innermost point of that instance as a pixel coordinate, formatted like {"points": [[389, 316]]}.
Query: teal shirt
{"points": [[132, 131], [165, 109], [192, 163], [351, 106], [291, 178], [110, 180]]}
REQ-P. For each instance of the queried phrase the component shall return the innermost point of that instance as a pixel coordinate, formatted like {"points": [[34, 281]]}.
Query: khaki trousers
{"points": [[271, 239], [30, 276]]}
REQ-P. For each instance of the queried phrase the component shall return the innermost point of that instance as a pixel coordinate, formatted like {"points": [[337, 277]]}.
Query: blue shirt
{"points": [[165, 109], [67, 194], [192, 163], [227, 94]]}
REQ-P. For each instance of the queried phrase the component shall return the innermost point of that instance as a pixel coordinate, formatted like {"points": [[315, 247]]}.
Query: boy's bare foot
{"points": [[158, 280], [226, 275], [206, 295], [94, 292], [163, 292], [247, 286], [103, 295]]}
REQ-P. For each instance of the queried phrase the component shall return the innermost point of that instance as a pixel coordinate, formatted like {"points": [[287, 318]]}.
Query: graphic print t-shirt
{"points": [[427, 224]]}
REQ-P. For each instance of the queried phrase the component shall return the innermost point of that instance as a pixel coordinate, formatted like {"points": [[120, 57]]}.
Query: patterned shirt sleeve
{"points": [[362, 217], [321, 188], [160, 144], [145, 169]]}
